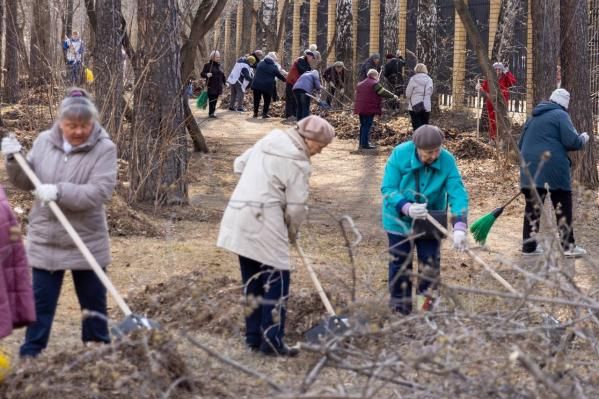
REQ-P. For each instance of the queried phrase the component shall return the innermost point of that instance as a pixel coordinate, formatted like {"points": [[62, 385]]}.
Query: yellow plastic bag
{"points": [[4, 364], [89, 75]]}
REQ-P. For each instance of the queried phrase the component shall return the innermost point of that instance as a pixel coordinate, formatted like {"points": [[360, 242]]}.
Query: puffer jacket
{"points": [[85, 178], [420, 88], [308, 82], [299, 67], [265, 76], [440, 183], [269, 202], [548, 130], [17, 307]]}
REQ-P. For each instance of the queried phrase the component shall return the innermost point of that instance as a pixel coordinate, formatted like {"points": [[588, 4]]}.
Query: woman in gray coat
{"points": [[76, 162]]}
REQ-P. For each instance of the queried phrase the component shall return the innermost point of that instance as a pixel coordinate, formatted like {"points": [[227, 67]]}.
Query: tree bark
{"points": [[546, 39], [40, 58], [159, 155], [576, 79], [426, 40], [108, 66], [11, 54]]}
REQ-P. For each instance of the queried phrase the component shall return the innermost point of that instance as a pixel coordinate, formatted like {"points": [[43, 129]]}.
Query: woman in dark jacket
{"points": [[266, 73], [215, 80]]}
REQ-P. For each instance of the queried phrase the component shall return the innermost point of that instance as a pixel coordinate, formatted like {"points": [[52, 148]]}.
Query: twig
{"points": [[536, 372]]}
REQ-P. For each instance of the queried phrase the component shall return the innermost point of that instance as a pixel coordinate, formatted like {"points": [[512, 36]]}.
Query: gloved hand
{"points": [[10, 145], [584, 136], [506, 69], [417, 211], [396, 98], [209, 74], [342, 90], [46, 192], [332, 85], [460, 240], [477, 87]]}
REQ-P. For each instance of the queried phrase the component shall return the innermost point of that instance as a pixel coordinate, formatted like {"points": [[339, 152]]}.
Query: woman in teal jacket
{"points": [[422, 162]]}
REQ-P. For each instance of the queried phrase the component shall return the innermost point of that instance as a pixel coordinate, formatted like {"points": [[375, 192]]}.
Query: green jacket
{"points": [[440, 183]]}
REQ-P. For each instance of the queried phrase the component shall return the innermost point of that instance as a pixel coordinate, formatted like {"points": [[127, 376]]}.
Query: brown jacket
{"points": [[86, 178]]}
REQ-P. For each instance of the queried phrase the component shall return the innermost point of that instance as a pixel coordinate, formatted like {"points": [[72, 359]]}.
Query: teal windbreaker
{"points": [[440, 182]]}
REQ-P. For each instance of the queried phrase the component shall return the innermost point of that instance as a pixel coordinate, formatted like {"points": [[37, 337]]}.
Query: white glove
{"points": [[506, 69], [477, 87], [10, 145], [460, 240], [209, 74], [584, 136], [342, 91], [46, 192], [417, 211], [396, 98]]}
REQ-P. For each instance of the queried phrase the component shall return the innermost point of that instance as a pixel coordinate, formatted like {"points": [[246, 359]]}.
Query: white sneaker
{"points": [[536, 252], [575, 252]]}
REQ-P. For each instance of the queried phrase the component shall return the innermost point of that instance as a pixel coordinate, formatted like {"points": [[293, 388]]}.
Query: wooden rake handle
{"points": [[76, 239], [315, 281]]}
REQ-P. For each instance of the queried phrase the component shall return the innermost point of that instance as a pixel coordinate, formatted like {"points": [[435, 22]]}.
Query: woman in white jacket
{"points": [[263, 217], [418, 93]]}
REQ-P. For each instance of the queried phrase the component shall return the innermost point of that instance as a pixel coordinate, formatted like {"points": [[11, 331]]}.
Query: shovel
{"points": [[321, 104], [332, 325], [131, 321]]}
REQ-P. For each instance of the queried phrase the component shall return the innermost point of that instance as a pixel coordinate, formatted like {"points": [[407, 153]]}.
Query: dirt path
{"points": [[343, 183]]}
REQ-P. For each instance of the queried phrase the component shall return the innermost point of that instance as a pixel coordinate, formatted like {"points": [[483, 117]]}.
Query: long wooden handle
{"points": [[75, 237], [319, 289], [474, 256]]}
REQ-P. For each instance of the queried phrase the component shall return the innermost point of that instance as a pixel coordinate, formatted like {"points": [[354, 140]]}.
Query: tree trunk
{"points": [[159, 155], [40, 57], [576, 79], [108, 66], [68, 18], [2, 75], [11, 54], [391, 27], [426, 39], [375, 27], [504, 40], [546, 39]]}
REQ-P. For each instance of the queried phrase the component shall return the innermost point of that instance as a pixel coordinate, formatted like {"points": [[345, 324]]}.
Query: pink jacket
{"points": [[17, 307]]}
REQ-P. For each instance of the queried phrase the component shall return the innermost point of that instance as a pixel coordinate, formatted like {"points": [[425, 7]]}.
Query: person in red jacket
{"points": [[506, 80], [368, 104], [299, 67]]}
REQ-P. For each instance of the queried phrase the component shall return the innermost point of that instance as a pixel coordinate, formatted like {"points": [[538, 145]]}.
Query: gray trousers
{"points": [[236, 96]]}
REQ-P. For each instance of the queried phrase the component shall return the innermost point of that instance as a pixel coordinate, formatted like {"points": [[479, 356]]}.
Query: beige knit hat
{"points": [[428, 137], [316, 128]]}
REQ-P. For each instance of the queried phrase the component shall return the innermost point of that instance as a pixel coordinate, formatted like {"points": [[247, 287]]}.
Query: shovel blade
{"points": [[132, 323], [331, 326]]}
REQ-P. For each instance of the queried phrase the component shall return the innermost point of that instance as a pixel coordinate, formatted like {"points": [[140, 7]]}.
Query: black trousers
{"points": [[266, 95], [290, 104], [562, 204], [419, 119], [212, 104]]}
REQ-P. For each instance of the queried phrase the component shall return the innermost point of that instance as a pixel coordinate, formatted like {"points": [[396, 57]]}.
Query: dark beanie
{"points": [[428, 137]]}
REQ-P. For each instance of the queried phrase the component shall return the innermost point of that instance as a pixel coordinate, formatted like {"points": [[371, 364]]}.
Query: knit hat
{"points": [[313, 47], [428, 137], [375, 56], [315, 128], [561, 97], [273, 56], [498, 65], [251, 60], [308, 52]]}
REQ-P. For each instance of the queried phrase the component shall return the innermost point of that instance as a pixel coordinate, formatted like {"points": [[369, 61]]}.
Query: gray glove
{"points": [[46, 192], [10, 145], [583, 136], [417, 211], [460, 240]]}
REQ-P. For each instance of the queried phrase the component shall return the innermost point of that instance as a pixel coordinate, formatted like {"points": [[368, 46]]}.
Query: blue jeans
{"points": [[265, 325], [303, 104], [400, 269], [366, 122], [46, 289], [75, 73]]}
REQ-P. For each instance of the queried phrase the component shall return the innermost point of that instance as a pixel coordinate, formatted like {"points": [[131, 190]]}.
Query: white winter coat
{"points": [[420, 88], [269, 202]]}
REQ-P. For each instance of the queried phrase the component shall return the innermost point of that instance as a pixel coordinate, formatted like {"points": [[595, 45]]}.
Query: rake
{"points": [[482, 226]]}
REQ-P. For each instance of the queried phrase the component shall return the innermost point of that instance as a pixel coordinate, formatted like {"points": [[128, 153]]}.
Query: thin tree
{"points": [[159, 157], [546, 35], [11, 53], [576, 79], [39, 72]]}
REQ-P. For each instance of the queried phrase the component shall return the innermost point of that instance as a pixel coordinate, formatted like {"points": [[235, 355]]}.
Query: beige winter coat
{"points": [[85, 178], [269, 202]]}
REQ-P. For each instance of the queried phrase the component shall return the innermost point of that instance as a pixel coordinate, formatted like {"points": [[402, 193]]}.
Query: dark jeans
{"points": [[366, 122], [303, 104], [265, 325], [290, 105], [275, 93], [236, 97], [46, 288], [75, 70], [212, 104], [419, 119], [562, 204], [400, 269], [266, 95]]}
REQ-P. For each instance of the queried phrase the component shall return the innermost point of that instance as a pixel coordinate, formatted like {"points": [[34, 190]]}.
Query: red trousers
{"points": [[492, 121]]}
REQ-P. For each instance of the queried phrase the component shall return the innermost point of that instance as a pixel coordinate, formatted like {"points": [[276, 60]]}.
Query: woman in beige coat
{"points": [[76, 162], [263, 217]]}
